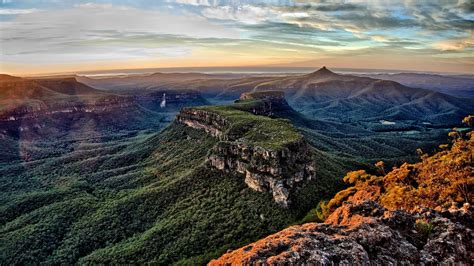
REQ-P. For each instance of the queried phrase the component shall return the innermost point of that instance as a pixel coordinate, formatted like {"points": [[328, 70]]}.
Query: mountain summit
{"points": [[323, 72]]}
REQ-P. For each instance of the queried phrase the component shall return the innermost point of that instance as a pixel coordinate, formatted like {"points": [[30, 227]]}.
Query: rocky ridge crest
{"points": [[364, 232]]}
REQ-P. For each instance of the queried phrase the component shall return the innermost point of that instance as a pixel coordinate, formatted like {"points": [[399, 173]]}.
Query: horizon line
{"points": [[228, 70]]}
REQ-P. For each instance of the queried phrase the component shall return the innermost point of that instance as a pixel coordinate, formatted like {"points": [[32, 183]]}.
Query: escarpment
{"points": [[268, 103], [276, 171], [212, 123], [107, 104], [269, 152]]}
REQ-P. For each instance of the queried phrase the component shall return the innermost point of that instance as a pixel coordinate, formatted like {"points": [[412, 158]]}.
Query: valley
{"points": [[179, 168]]}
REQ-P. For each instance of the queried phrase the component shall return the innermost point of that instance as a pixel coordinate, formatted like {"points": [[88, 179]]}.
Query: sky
{"points": [[54, 36]]}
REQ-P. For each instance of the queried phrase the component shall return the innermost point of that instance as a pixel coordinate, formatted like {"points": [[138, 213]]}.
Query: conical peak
{"points": [[323, 71]]}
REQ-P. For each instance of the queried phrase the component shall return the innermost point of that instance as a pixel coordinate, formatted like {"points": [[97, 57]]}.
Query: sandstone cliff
{"points": [[41, 109], [363, 232], [271, 155], [274, 171]]}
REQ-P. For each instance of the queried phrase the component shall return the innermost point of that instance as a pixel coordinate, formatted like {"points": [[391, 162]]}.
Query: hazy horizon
{"points": [[250, 70]]}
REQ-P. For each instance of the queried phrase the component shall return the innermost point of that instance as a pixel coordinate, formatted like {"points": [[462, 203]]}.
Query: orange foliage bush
{"points": [[438, 180]]}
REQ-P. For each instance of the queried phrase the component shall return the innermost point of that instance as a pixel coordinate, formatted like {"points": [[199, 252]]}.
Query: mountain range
{"points": [[179, 168], [322, 94]]}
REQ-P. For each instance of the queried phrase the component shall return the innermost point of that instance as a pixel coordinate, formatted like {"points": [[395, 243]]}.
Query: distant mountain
{"points": [[149, 81], [68, 86], [326, 95], [455, 85], [322, 94], [50, 107], [52, 94], [45, 88], [18, 88]]}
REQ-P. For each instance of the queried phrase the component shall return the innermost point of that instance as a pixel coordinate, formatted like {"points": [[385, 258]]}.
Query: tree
{"points": [[381, 167], [469, 120]]}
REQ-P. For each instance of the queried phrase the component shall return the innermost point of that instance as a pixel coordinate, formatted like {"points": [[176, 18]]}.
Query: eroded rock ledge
{"points": [[213, 123], [270, 153], [365, 233]]}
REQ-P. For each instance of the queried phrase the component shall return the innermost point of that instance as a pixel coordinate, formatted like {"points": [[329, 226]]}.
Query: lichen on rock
{"points": [[363, 232]]}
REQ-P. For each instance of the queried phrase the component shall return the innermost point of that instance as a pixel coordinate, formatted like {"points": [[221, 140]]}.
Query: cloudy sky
{"points": [[41, 36]]}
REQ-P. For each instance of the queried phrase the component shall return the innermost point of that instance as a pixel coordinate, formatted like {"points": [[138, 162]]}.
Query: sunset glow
{"points": [[70, 36]]}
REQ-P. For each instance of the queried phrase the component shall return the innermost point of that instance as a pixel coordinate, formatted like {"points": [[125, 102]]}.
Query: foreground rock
{"points": [[361, 232]]}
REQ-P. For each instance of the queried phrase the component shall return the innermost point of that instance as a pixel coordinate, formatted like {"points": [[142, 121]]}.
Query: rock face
{"points": [[274, 171], [105, 105], [269, 102], [214, 124], [278, 170], [363, 232]]}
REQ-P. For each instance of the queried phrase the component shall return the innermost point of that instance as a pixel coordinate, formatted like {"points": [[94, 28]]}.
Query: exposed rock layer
{"points": [[214, 124], [274, 171], [105, 105], [278, 171], [363, 232]]}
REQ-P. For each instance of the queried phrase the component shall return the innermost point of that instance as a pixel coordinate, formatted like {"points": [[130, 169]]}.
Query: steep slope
{"points": [[401, 217]]}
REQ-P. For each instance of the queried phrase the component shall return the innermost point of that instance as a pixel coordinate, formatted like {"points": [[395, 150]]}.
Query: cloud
{"points": [[94, 30], [246, 14], [17, 11], [455, 45], [97, 6], [82, 30]]}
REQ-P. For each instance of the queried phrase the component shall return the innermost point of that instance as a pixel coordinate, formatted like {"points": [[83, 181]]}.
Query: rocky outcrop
{"points": [[268, 103], [363, 232], [278, 169], [275, 171], [211, 122]]}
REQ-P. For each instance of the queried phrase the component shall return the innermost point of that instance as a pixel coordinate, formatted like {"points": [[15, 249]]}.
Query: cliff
{"points": [[269, 152], [212, 123], [363, 232], [411, 215], [275, 171], [35, 108], [267, 103]]}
